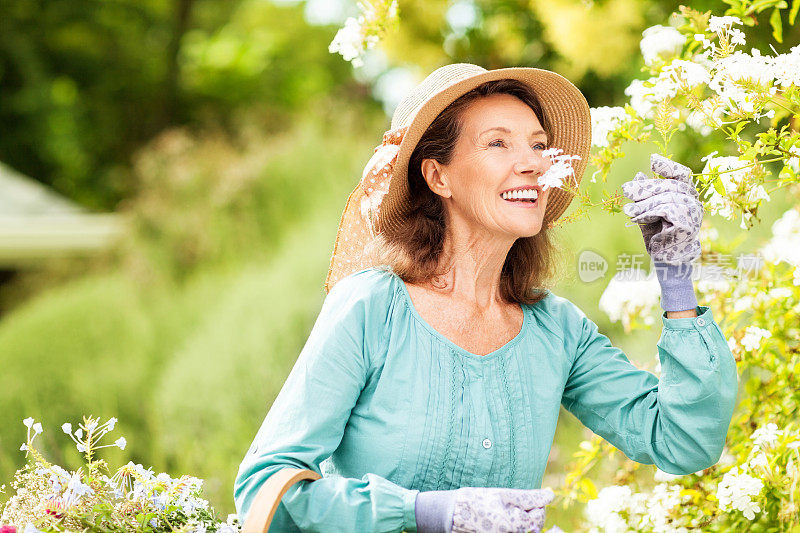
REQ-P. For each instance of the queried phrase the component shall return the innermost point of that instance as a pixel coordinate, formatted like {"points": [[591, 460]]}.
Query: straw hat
{"points": [[381, 197]]}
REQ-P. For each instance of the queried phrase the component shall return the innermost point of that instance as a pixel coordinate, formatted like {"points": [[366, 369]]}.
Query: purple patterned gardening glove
{"points": [[668, 211], [499, 510]]}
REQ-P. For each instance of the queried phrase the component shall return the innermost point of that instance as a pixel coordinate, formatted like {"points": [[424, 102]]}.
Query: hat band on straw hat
{"points": [[378, 173]]}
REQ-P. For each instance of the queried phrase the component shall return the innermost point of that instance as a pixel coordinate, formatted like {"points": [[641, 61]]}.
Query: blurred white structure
{"points": [[36, 223]]}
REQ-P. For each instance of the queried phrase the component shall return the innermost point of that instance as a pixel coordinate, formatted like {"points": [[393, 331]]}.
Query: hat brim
{"points": [[563, 103]]}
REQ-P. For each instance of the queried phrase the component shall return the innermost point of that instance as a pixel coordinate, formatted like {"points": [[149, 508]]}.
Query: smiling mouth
{"points": [[527, 197]]}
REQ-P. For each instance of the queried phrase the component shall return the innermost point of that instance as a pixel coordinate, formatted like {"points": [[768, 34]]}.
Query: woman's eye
{"points": [[493, 143], [540, 146]]}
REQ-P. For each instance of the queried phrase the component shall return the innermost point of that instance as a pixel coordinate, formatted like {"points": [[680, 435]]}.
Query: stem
{"points": [[744, 167], [783, 106]]}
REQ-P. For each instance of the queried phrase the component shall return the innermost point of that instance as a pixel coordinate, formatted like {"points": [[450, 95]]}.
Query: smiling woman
{"points": [[472, 152], [428, 392]]}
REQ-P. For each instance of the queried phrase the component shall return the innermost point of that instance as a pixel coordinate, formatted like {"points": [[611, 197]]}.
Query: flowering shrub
{"points": [[50, 499], [701, 82], [362, 33]]}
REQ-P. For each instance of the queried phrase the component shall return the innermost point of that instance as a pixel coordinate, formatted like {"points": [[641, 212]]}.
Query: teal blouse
{"points": [[384, 406]]}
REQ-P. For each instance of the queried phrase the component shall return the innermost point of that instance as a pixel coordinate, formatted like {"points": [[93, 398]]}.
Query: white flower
{"points": [[37, 428], [630, 293], [660, 41], [786, 68], [660, 475], [659, 504], [732, 344], [752, 337], [348, 41], [720, 24], [639, 100], [603, 511], [736, 35], [735, 491], [605, 120], [689, 72], [766, 435], [66, 428], [559, 170], [759, 460], [76, 489], [754, 194], [28, 422], [121, 442], [785, 242]]}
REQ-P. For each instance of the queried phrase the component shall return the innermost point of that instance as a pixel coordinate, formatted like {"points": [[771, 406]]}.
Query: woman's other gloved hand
{"points": [[499, 510], [484, 509]]}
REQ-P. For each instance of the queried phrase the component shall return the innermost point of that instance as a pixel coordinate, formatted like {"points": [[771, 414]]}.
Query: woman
{"points": [[429, 388]]}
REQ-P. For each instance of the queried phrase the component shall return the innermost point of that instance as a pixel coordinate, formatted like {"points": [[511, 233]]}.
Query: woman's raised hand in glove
{"points": [[499, 510], [668, 211]]}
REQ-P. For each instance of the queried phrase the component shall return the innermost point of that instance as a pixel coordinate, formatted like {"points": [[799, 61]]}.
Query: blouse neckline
{"points": [[442, 338]]}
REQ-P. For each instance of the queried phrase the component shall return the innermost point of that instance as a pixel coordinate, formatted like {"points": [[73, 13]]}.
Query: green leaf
{"points": [[719, 186], [777, 25], [793, 12]]}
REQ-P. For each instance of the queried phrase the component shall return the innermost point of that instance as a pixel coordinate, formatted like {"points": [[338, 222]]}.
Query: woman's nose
{"points": [[532, 161]]}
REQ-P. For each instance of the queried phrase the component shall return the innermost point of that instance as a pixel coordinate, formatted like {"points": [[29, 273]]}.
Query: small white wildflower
{"points": [[120, 442], [66, 428], [735, 491], [559, 170], [752, 337], [766, 435], [759, 460], [736, 36], [660, 41], [605, 119], [349, 40], [28, 422], [720, 24], [662, 476], [630, 293]]}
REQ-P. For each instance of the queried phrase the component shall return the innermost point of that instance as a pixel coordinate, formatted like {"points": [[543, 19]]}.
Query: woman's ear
{"points": [[433, 173]]}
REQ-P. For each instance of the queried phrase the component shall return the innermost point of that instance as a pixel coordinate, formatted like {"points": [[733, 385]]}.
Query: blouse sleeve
{"points": [[678, 422], [306, 423]]}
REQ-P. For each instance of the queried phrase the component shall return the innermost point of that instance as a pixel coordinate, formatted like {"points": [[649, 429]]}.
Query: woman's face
{"points": [[499, 149]]}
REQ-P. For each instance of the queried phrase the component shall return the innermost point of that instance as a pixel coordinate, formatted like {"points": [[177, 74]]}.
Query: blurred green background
{"points": [[226, 138]]}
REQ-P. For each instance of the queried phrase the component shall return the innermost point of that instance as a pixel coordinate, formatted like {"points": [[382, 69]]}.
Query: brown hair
{"points": [[413, 250]]}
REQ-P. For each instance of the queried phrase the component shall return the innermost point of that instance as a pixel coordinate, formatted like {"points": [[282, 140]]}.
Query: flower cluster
{"points": [[50, 499], [560, 169], [362, 33], [618, 508], [630, 296], [701, 80], [771, 460]]}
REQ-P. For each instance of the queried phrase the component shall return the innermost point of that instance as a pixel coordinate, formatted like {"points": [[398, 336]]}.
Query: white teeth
{"points": [[519, 194]]}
